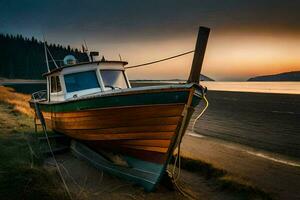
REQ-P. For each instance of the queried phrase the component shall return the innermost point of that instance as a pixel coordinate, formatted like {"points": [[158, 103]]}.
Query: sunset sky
{"points": [[248, 38]]}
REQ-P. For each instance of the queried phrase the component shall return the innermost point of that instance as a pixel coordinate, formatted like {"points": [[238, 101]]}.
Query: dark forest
{"points": [[24, 58]]}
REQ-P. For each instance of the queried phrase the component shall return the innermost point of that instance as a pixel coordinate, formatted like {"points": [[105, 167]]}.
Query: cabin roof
{"points": [[82, 63]]}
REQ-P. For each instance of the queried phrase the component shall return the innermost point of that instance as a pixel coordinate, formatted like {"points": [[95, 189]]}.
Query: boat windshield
{"points": [[114, 79], [81, 81]]}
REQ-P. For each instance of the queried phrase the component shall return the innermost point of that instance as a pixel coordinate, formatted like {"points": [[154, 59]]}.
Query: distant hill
{"points": [[202, 78], [287, 76], [205, 78]]}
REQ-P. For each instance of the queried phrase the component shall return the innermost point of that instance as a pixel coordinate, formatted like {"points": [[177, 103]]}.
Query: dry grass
{"points": [[19, 101], [22, 175]]}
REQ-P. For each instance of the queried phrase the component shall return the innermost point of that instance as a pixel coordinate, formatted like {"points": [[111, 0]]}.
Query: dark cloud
{"points": [[135, 19]]}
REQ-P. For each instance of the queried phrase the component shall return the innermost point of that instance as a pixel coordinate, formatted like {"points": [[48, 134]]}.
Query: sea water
{"points": [[259, 87]]}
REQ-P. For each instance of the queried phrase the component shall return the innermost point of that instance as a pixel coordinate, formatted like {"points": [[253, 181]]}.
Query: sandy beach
{"points": [[86, 182], [254, 136], [280, 180]]}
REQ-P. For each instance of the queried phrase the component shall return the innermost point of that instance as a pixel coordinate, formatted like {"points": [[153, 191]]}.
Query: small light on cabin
{"points": [[69, 60]]}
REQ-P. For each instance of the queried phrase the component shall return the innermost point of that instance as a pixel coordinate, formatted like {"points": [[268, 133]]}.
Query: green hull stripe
{"points": [[121, 100]]}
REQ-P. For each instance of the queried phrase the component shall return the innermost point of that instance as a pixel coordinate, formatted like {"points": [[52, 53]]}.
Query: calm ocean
{"points": [[260, 87]]}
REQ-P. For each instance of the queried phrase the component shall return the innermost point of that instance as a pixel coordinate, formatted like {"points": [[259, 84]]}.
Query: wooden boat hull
{"points": [[144, 173], [142, 126]]}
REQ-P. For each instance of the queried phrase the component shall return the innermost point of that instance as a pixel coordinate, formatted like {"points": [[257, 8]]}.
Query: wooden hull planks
{"points": [[93, 135], [152, 126], [159, 110], [149, 133], [106, 124]]}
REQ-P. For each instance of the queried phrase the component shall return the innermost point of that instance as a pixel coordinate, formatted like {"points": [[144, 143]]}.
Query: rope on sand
{"points": [[175, 177], [56, 163], [204, 109]]}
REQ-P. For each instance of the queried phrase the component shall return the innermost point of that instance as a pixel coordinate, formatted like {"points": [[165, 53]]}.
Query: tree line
{"points": [[24, 58]]}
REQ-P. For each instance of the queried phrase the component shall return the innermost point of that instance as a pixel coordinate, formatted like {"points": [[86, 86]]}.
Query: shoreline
{"points": [[271, 156], [8, 82], [279, 180], [283, 87]]}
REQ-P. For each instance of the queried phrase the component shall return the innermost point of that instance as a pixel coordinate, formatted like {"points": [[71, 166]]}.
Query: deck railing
{"points": [[40, 95]]}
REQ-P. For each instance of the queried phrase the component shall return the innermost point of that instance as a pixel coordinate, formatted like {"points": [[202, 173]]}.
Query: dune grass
{"points": [[17, 100], [22, 175], [224, 181]]}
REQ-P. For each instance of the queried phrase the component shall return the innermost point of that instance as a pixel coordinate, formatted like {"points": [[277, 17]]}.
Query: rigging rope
{"points": [[42, 120], [51, 57], [56, 163], [161, 60]]}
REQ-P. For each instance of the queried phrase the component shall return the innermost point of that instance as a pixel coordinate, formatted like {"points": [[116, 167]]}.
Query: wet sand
{"points": [[281, 181]]}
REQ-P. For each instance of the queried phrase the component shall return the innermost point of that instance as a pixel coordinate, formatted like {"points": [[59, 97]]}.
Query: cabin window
{"points": [[55, 84], [114, 79], [81, 81]]}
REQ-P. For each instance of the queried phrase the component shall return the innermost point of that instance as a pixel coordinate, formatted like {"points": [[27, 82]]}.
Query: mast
{"points": [[199, 55], [48, 68], [46, 55]]}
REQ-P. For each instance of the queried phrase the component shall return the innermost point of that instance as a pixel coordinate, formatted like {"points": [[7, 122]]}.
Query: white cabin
{"points": [[83, 79]]}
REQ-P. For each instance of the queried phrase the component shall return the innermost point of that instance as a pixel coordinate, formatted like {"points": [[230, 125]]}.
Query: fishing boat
{"points": [[130, 132]]}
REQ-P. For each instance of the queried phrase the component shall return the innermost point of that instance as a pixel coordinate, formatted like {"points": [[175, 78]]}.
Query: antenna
{"points": [[87, 51], [86, 47]]}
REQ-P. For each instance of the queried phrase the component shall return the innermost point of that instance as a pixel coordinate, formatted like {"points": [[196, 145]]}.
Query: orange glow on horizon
{"points": [[228, 57], [247, 56]]}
